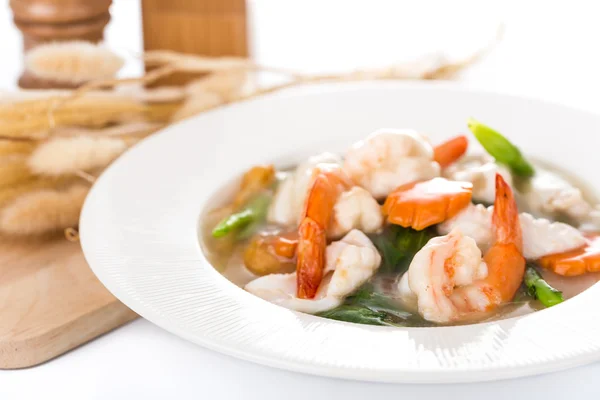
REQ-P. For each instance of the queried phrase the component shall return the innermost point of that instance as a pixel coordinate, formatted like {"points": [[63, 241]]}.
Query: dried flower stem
{"points": [[43, 211], [74, 155], [12, 147], [72, 234], [10, 193], [14, 171]]}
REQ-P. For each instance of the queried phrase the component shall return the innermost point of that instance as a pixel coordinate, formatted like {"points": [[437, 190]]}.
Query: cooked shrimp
{"points": [[578, 261], [450, 279], [481, 172], [388, 158], [421, 204], [327, 185], [540, 236], [350, 263], [355, 209], [448, 152], [289, 199]]}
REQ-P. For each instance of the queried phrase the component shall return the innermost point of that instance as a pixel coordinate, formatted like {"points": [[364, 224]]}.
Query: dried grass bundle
{"points": [[194, 63], [85, 130], [10, 193], [43, 211], [34, 119], [13, 170], [11, 147], [130, 129], [73, 62], [224, 84], [68, 155], [197, 103]]}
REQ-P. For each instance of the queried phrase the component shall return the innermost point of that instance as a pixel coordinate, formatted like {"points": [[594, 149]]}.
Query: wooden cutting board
{"points": [[50, 302]]}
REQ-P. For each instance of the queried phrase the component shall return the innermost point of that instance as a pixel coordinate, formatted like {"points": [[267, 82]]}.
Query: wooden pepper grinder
{"points": [[206, 27], [43, 21]]}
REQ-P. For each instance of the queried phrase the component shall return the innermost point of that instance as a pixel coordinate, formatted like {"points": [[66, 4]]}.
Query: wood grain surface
{"points": [[50, 302]]}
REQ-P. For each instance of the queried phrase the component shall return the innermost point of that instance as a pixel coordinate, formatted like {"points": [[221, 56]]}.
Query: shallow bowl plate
{"points": [[139, 232]]}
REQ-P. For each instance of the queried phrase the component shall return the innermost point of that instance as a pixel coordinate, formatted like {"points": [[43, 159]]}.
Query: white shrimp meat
{"points": [[389, 158], [350, 262], [540, 236]]}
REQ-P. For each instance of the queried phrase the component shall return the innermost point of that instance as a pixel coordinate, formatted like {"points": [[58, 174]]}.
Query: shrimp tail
{"points": [[311, 258], [505, 218], [450, 151], [505, 261], [328, 183]]}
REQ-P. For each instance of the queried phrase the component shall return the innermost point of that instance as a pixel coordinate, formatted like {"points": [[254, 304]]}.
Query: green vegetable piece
{"points": [[367, 297], [398, 246], [356, 314], [234, 221], [254, 212], [501, 148], [390, 255], [540, 289]]}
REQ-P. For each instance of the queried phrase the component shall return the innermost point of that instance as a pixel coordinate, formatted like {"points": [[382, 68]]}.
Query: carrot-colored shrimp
{"points": [[578, 261], [450, 151], [505, 261], [421, 204], [326, 187], [447, 278]]}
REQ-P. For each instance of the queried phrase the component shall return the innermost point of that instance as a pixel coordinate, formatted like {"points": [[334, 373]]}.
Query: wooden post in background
{"points": [[207, 27]]}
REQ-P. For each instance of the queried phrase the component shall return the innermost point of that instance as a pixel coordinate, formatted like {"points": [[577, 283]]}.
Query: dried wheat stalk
{"points": [[43, 211], [11, 147], [14, 170], [35, 119], [72, 62], [49, 141], [68, 155], [12, 192]]}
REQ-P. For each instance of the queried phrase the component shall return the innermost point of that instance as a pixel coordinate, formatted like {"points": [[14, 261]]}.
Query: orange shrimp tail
{"points": [[322, 195], [506, 267], [311, 258], [505, 218], [418, 205], [328, 183], [505, 261], [450, 151], [575, 262]]}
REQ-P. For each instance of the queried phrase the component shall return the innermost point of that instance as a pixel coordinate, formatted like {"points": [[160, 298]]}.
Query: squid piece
{"points": [[550, 195], [481, 173], [540, 236]]}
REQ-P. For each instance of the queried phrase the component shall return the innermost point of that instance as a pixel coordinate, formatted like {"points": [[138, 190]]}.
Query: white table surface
{"points": [[549, 51]]}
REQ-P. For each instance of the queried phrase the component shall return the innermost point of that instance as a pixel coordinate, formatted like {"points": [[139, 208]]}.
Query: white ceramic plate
{"points": [[139, 231]]}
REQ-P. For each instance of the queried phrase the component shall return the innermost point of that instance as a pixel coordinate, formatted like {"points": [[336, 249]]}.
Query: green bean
{"points": [[540, 289], [501, 148], [253, 213]]}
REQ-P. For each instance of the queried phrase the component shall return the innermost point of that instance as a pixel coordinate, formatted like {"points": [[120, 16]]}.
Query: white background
{"points": [[550, 50]]}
